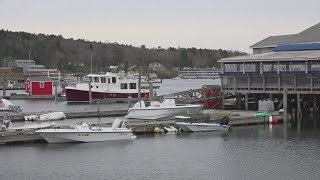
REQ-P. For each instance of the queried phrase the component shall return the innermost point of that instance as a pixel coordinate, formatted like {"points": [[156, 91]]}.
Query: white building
{"points": [[24, 63], [156, 66], [199, 73]]}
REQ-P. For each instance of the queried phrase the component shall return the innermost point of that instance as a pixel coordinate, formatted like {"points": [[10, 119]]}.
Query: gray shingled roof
{"points": [[311, 34], [276, 56]]}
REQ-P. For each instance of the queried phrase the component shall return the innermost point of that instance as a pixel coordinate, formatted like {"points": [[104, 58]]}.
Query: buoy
{"points": [[157, 130], [274, 120]]}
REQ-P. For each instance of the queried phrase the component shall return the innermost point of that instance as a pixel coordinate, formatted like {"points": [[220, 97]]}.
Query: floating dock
{"points": [[71, 115]]}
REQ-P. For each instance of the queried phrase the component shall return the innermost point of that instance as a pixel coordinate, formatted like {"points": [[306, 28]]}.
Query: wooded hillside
{"points": [[57, 52]]}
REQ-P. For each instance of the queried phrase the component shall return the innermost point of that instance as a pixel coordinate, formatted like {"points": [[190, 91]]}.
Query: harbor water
{"points": [[254, 152], [248, 152]]}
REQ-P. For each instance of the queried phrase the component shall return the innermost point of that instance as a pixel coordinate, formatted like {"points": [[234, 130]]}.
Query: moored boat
{"points": [[107, 87], [158, 111], [24, 133], [86, 133], [46, 116], [8, 106], [196, 127], [185, 123]]}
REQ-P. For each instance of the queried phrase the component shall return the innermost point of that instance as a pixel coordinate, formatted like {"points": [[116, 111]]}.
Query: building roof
{"points": [[311, 34], [276, 56], [273, 41]]}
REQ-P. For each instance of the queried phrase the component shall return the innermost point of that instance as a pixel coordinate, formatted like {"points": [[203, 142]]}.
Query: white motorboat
{"points": [[24, 133], [8, 106], [156, 110], [86, 133], [195, 127], [46, 117]]}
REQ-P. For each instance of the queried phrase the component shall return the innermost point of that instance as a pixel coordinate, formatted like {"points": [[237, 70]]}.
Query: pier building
{"points": [[289, 76]]}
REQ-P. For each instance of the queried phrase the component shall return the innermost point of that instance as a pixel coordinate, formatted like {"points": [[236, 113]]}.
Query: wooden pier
{"points": [[290, 79], [71, 115]]}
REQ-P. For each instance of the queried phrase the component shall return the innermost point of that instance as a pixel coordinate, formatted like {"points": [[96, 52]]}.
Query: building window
{"points": [[124, 86], [41, 84], [114, 80], [133, 86], [103, 80]]}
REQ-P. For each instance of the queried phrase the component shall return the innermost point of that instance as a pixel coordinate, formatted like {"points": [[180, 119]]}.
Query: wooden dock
{"points": [[71, 115]]}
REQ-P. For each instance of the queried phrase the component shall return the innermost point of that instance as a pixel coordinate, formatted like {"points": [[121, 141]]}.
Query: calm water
{"points": [[255, 152]]}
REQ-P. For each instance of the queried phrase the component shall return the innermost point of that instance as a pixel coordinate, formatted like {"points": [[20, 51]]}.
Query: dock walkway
{"points": [[71, 115]]}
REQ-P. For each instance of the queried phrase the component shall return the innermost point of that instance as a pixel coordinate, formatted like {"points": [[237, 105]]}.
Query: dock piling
{"points": [[285, 105], [299, 115], [246, 101]]}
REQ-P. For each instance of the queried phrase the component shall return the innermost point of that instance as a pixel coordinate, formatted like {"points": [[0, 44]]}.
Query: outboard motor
{"points": [[224, 120]]}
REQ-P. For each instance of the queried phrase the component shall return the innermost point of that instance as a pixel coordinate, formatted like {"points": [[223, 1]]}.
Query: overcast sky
{"points": [[212, 24]]}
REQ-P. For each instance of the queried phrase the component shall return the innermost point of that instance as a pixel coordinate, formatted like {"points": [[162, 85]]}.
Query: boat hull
{"points": [[161, 112], [19, 136], [75, 95], [198, 127], [65, 137]]}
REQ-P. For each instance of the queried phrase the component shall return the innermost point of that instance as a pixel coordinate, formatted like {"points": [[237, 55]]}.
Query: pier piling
{"points": [[246, 101], [285, 105], [299, 115]]}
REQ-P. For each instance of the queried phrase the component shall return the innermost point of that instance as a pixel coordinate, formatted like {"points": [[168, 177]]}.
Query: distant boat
{"points": [[46, 116], [86, 133], [8, 106], [201, 126], [157, 111], [176, 78], [24, 133], [196, 127]]}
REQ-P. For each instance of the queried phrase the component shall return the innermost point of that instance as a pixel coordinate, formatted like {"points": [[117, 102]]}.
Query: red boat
{"points": [[108, 87]]}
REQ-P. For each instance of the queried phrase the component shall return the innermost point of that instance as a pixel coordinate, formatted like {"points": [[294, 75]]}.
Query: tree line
{"points": [[73, 55]]}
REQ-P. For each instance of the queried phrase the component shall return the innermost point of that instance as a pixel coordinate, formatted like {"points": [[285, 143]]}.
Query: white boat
{"points": [[195, 127], [176, 78], [24, 133], [157, 111], [86, 133], [8, 106], [46, 117], [109, 87]]}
